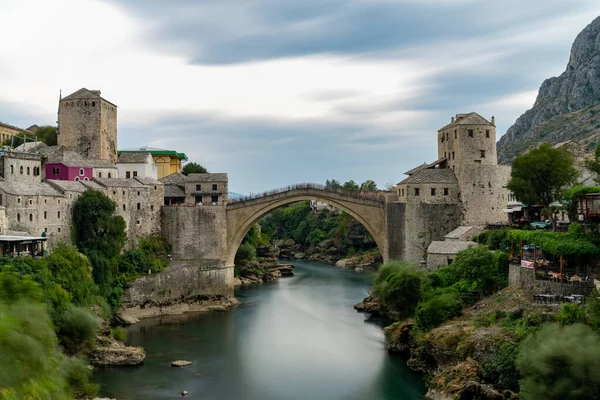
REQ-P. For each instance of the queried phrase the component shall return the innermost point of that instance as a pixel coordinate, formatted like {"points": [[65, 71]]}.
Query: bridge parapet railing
{"points": [[373, 196]]}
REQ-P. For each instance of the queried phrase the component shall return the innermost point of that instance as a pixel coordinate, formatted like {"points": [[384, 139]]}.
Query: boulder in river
{"points": [[180, 363], [109, 351]]}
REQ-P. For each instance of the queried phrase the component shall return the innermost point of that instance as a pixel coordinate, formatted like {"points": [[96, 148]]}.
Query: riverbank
{"points": [[327, 252], [456, 356]]}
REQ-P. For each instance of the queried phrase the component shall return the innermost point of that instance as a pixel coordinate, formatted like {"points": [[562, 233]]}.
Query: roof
{"points": [[209, 177], [13, 127], [416, 169], [449, 247], [174, 191], [84, 94], [32, 147], [458, 232], [74, 159], [155, 151], [29, 189], [432, 175], [9, 238], [92, 184], [133, 158], [67, 186], [148, 180], [119, 182], [467, 119], [173, 178]]}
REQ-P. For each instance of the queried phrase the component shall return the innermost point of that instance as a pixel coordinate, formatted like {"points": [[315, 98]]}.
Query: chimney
{"points": [[452, 120], [493, 120]]}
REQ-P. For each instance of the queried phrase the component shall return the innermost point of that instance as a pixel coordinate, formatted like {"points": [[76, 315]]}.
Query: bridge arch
{"points": [[241, 216]]}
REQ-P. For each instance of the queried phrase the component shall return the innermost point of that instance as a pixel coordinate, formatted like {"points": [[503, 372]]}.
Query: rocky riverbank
{"points": [[326, 252], [454, 355]]}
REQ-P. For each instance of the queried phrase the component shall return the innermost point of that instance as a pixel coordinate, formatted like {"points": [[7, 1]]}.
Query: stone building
{"points": [[206, 189], [87, 125], [167, 162], [131, 165], [8, 131]]}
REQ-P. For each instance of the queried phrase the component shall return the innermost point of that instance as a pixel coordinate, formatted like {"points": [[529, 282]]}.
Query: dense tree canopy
{"points": [[193, 168], [542, 175]]}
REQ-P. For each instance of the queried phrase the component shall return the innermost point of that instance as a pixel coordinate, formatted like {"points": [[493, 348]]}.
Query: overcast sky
{"points": [[276, 92]]}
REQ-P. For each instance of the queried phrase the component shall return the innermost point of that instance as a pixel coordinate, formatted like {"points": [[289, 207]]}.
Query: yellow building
{"points": [[167, 161], [8, 131]]}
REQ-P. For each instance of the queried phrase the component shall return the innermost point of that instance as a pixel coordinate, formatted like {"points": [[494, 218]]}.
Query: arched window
{"points": [[76, 179], [81, 172], [21, 170], [45, 214], [124, 208], [18, 217], [86, 179], [58, 214], [30, 217], [139, 206], [12, 169], [99, 174], [109, 175], [28, 171]]}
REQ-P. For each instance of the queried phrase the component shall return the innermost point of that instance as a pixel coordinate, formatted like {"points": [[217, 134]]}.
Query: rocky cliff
{"points": [[567, 107]]}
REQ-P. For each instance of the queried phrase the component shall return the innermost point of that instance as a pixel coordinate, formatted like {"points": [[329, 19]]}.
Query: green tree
{"points": [[560, 363], [333, 184], [73, 272], [478, 266], [351, 186], [95, 227], [400, 287], [593, 165], [46, 134], [542, 175], [368, 186], [193, 168]]}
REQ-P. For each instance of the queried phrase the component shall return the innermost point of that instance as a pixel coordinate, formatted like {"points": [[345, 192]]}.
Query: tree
{"points": [[400, 287], [542, 175], [560, 363], [46, 134], [368, 186], [95, 227], [193, 168], [478, 267], [593, 165], [351, 186], [333, 184]]}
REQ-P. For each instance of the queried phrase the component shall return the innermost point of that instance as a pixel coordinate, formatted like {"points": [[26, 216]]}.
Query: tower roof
{"points": [[467, 119], [86, 94]]}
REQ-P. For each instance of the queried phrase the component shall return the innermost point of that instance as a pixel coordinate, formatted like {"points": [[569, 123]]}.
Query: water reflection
{"points": [[297, 338]]}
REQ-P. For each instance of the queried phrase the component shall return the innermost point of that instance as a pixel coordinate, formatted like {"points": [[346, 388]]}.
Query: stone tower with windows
{"points": [[87, 124]]}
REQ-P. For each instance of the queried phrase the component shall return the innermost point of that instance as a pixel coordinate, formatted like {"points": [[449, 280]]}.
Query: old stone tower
{"points": [[87, 124]]}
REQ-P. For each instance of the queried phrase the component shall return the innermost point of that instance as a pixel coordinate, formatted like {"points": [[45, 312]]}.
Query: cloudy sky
{"points": [[275, 92]]}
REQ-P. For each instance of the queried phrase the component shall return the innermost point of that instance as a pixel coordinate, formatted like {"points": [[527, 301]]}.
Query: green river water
{"points": [[297, 338]]}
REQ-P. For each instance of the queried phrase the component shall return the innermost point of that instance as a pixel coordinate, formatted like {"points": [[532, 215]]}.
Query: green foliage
{"points": [[46, 134], [593, 165], [438, 308], [73, 272], [400, 287], [496, 239], [542, 175], [479, 266], [95, 227], [246, 252], [560, 363], [193, 168], [592, 306], [78, 376], [501, 369], [528, 325], [78, 328], [351, 186], [368, 186], [119, 333], [570, 314], [574, 242], [14, 287]]}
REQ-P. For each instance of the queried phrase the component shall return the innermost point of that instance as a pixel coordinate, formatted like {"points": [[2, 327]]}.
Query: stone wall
{"points": [[524, 278], [407, 194], [425, 223], [483, 193], [395, 224], [21, 167]]}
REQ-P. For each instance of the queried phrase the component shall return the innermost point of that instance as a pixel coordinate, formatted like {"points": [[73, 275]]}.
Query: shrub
{"points": [[437, 309], [77, 328], [246, 252], [479, 266], [570, 314], [400, 287], [592, 306], [529, 324], [72, 270], [560, 363], [78, 377], [501, 369], [119, 333]]}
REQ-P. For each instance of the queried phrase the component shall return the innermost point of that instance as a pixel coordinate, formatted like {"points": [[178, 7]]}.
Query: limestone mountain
{"points": [[567, 107]]}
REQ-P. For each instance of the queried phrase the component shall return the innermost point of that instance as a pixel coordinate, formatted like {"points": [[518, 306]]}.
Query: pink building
{"points": [[60, 171]]}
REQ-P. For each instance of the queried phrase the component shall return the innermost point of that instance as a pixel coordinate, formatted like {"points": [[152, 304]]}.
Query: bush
{"points": [[592, 306], [400, 287], [246, 252], [72, 271], [501, 369], [77, 328], [570, 314], [560, 363], [78, 376], [529, 324], [119, 333], [479, 266], [437, 309]]}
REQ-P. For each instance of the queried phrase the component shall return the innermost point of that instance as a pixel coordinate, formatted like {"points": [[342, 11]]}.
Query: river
{"points": [[297, 338]]}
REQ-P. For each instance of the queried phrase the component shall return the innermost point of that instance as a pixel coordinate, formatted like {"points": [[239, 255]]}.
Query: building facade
{"points": [[167, 162], [131, 165]]}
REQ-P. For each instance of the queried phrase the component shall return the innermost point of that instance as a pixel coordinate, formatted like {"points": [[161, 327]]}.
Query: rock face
{"points": [[108, 351], [567, 107]]}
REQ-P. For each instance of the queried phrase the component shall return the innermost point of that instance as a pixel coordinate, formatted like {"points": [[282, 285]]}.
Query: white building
{"points": [[140, 165]]}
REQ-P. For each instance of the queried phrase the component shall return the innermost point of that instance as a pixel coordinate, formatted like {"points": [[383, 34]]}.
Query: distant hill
{"points": [[567, 107]]}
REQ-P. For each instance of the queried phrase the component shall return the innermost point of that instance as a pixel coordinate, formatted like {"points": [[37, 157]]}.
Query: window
{"points": [[58, 201], [446, 191], [214, 186], [86, 179], [139, 206], [403, 192], [123, 193], [433, 191], [81, 172], [28, 171], [128, 174], [487, 133], [446, 135], [134, 174], [155, 187], [76, 179], [470, 132], [93, 104], [453, 155], [198, 199], [482, 153], [109, 175], [99, 174], [214, 199], [58, 230], [58, 214], [45, 229], [198, 188], [416, 191], [455, 134], [138, 193], [18, 217], [12, 169], [138, 222], [30, 202], [151, 208], [19, 200], [477, 161], [30, 217], [114, 192], [45, 214], [124, 208], [21, 170], [56, 171], [45, 201]]}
